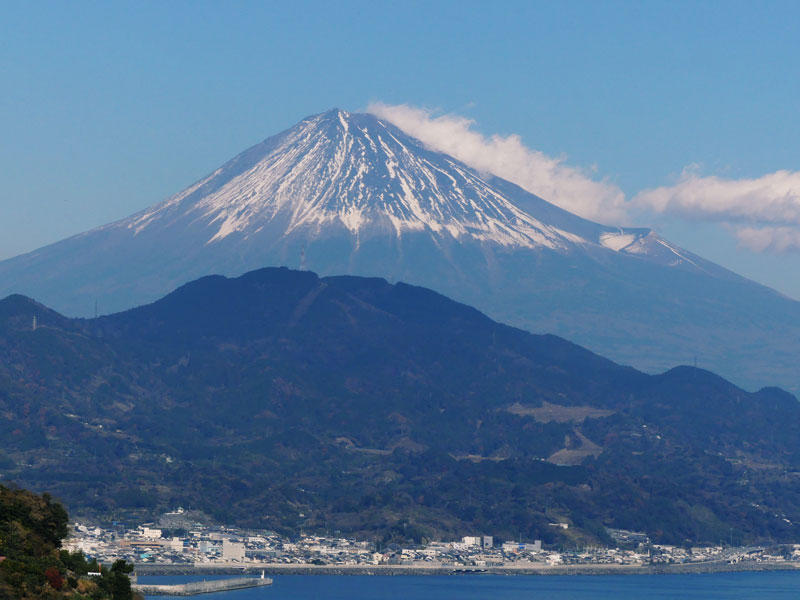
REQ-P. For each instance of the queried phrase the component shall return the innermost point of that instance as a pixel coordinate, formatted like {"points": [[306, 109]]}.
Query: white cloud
{"points": [[765, 210], [550, 178], [773, 239], [772, 198]]}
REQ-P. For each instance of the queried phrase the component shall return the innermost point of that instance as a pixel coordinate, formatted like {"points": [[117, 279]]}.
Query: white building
{"points": [[470, 540], [536, 546], [513, 547], [509, 547], [150, 533], [554, 559], [232, 551], [176, 544]]}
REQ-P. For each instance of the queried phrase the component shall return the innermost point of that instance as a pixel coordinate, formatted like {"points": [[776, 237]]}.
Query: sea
{"points": [[763, 585]]}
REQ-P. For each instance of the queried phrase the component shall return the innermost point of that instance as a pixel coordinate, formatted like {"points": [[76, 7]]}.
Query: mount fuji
{"points": [[346, 193]]}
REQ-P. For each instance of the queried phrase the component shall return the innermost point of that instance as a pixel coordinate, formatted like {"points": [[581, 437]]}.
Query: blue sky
{"points": [[107, 108]]}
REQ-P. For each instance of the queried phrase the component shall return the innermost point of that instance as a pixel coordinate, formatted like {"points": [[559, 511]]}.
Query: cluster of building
{"points": [[202, 545]]}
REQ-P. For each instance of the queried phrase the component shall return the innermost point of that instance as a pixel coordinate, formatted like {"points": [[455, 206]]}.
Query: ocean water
{"points": [[729, 586]]}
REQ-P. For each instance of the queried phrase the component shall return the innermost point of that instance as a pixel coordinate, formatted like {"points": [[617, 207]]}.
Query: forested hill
{"points": [[279, 399]]}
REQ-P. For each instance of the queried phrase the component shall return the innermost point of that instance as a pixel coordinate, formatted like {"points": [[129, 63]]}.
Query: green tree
{"points": [[34, 567]]}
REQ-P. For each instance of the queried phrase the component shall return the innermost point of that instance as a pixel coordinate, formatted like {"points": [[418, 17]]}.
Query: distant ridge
{"points": [[346, 193]]}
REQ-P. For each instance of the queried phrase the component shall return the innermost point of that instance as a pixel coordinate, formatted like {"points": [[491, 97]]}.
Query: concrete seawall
{"points": [[510, 569], [202, 587]]}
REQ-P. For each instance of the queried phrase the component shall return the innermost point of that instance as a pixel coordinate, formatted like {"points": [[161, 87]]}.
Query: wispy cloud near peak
{"points": [[569, 187], [763, 212]]}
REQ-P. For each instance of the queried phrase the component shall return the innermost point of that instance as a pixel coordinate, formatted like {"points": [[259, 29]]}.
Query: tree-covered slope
{"points": [[283, 400], [32, 565]]}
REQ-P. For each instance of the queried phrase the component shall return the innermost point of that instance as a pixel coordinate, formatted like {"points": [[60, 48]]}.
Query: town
{"points": [[202, 546]]}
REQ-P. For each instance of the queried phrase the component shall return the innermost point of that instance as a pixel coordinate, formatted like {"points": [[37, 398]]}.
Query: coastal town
{"points": [[206, 547]]}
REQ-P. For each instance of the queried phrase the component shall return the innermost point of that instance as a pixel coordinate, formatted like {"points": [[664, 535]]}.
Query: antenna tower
{"points": [[303, 259], [35, 323]]}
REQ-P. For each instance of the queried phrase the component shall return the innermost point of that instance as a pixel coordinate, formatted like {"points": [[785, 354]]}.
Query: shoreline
{"points": [[524, 569]]}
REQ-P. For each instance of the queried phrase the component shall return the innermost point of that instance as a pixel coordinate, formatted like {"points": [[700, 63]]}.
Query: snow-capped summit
{"points": [[354, 172], [347, 193], [345, 172]]}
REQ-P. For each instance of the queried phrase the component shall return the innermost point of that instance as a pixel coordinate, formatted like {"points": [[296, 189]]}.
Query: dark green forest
{"points": [[284, 401]]}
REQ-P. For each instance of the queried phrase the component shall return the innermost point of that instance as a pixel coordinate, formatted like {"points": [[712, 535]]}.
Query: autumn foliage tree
{"points": [[32, 564]]}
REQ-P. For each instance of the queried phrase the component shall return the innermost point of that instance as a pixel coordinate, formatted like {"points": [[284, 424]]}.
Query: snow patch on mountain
{"points": [[617, 241]]}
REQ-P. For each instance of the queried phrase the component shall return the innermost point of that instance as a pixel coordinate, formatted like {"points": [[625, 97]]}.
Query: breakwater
{"points": [[202, 587], [434, 569]]}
